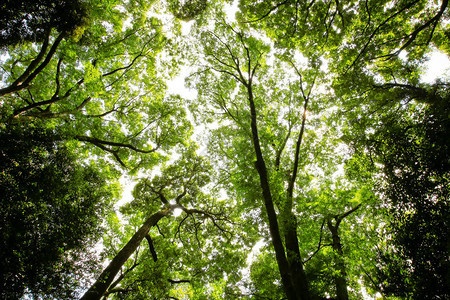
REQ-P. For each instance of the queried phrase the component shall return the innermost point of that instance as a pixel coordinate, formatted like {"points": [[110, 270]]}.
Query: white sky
{"points": [[437, 67]]}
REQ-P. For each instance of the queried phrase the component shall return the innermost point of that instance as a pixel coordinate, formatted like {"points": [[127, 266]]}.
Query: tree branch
{"points": [[179, 281], [151, 247], [97, 141], [27, 77], [406, 7], [272, 9]]}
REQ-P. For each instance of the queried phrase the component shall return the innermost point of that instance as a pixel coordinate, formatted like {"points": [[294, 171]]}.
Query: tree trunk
{"points": [[340, 278], [105, 279], [277, 242], [294, 259]]}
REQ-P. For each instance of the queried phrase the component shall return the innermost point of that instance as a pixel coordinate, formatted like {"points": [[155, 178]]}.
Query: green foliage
{"points": [[51, 211], [31, 20], [192, 248], [187, 10], [417, 171], [106, 89], [265, 277], [312, 109], [409, 144]]}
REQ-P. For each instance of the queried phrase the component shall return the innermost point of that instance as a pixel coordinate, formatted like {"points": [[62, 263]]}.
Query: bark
{"points": [[294, 258], [339, 279], [105, 279], [260, 165]]}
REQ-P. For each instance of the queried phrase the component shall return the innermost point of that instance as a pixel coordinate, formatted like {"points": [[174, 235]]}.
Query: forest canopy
{"points": [[304, 158]]}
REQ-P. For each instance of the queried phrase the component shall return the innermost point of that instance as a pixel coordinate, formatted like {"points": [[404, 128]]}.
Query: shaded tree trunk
{"points": [[260, 165], [340, 278], [294, 259], [291, 269]]}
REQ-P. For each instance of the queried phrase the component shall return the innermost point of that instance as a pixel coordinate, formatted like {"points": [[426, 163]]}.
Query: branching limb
{"points": [[55, 98], [272, 9], [34, 63], [34, 69], [371, 37], [151, 247], [319, 246], [413, 35], [300, 136], [175, 281], [282, 146], [339, 218], [97, 142], [112, 288]]}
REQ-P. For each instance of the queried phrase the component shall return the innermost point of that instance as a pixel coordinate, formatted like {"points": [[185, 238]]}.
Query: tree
{"points": [[51, 210], [181, 185], [308, 110], [110, 97], [412, 148], [32, 21], [235, 57], [265, 128]]}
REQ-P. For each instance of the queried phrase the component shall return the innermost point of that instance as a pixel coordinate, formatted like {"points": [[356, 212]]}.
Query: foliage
{"points": [[51, 210], [412, 146], [318, 141], [187, 10], [111, 96], [186, 252], [31, 20]]}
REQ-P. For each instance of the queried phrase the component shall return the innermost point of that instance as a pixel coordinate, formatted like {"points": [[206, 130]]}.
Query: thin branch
{"points": [[344, 215], [34, 105], [406, 7], [272, 9], [300, 136], [281, 148], [160, 232], [226, 72], [58, 85], [319, 246]]}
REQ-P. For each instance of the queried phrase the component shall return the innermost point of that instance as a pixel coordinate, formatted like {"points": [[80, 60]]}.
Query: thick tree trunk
{"points": [[260, 165], [105, 279], [294, 259], [340, 278]]}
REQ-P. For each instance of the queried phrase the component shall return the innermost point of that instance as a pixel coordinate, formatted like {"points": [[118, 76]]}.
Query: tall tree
{"points": [[268, 119], [181, 185], [51, 210], [412, 149]]}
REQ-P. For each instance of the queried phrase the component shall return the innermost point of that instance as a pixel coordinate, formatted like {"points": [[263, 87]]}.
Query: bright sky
{"points": [[438, 67]]}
